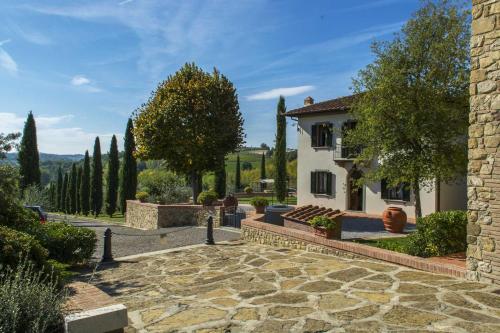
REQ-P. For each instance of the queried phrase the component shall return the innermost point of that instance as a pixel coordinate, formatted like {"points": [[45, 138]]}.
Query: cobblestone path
{"points": [[253, 288]]}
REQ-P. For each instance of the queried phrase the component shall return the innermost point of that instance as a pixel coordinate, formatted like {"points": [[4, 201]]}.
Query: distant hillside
{"points": [[12, 157]]}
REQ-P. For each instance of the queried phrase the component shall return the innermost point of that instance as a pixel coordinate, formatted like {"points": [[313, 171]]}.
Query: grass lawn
{"points": [[116, 218], [396, 244], [290, 200]]}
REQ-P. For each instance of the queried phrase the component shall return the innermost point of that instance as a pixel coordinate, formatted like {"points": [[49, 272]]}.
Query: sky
{"points": [[83, 67]]}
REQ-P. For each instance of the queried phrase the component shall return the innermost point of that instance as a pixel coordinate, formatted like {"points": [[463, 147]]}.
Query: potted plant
{"points": [[325, 227], [142, 196], [260, 204]]}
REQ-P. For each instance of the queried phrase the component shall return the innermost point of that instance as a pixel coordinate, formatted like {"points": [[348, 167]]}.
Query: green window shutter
{"points": [[313, 182], [329, 183], [314, 135], [383, 186]]}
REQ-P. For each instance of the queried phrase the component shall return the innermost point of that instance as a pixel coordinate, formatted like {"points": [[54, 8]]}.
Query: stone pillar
{"points": [[483, 232]]}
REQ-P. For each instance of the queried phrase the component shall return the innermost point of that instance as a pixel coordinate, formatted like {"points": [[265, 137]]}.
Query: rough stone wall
{"points": [[483, 252], [269, 238], [152, 216]]}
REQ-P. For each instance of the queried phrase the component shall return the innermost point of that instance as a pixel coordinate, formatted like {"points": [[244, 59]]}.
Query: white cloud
{"points": [[5, 41], [79, 80], [55, 138], [7, 63], [277, 92], [124, 2]]}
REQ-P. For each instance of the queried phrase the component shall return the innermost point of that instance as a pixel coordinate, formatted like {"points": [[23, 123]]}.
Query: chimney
{"points": [[308, 101]]}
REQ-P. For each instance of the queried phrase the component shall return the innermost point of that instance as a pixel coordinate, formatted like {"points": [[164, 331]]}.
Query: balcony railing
{"points": [[345, 153]]}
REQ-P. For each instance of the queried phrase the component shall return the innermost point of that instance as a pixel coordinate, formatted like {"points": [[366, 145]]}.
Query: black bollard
{"points": [[210, 231], [107, 255]]}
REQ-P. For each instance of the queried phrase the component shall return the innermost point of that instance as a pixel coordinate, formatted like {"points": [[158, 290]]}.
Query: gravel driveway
{"points": [[128, 241]]}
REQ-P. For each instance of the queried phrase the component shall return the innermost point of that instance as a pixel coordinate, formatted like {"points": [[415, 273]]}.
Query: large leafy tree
{"points": [[85, 185], [280, 183], [128, 185], [412, 107], [191, 121], [96, 181], [220, 179], [112, 180], [29, 159]]}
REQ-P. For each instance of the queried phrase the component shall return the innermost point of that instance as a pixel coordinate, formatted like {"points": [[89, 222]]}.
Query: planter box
{"points": [[335, 233]]}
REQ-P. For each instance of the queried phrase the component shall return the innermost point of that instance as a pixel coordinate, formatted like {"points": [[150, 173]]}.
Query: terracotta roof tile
{"points": [[337, 104], [306, 213]]}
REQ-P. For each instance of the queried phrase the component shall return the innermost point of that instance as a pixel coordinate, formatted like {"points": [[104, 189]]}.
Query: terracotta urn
{"points": [[230, 201], [260, 209], [394, 219]]}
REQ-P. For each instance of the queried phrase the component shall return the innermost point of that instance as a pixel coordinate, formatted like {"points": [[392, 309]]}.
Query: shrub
{"points": [[248, 190], [30, 301], [259, 202], [323, 222], [439, 234], [207, 198], [142, 196], [35, 195], [68, 244], [163, 186], [16, 244]]}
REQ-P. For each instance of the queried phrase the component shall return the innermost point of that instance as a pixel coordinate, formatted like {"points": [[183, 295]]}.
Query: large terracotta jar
{"points": [[394, 219]]}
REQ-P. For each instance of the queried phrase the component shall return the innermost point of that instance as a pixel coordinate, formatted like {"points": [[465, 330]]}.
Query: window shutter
{"points": [[313, 182], [406, 192], [383, 186], [314, 135], [329, 183]]}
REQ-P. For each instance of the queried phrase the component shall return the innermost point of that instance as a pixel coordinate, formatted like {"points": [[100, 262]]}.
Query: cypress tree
{"points": [[63, 193], [112, 183], [128, 186], [238, 174], [263, 171], [85, 185], [72, 189], [59, 196], [78, 185], [28, 157], [67, 196], [96, 181], [52, 196], [220, 179], [280, 151]]}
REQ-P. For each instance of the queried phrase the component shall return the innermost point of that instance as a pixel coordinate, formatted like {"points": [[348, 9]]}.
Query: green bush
{"points": [[207, 198], [322, 221], [68, 244], [164, 187], [30, 301], [15, 245], [259, 202], [439, 234], [142, 196], [248, 190]]}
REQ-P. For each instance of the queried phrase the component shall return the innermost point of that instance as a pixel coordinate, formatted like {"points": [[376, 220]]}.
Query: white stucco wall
{"points": [[316, 159]]}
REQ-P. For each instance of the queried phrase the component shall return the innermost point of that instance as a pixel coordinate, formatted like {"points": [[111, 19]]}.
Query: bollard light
{"points": [[210, 231], [107, 254]]}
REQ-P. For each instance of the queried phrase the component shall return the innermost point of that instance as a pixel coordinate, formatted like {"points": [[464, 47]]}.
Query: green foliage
{"points": [[163, 186], [207, 198], [220, 180], [412, 108], [112, 183], [439, 234], [280, 182], [64, 194], [29, 164], [59, 190], [246, 166], [85, 185], [96, 180], [248, 190], [34, 195], [68, 244], [128, 179], [72, 189], [259, 202], [17, 244], [263, 166], [238, 174], [191, 121], [7, 143], [30, 301], [142, 196], [322, 222]]}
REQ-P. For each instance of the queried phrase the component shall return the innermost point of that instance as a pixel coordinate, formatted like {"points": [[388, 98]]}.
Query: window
{"points": [[400, 192], [322, 182], [322, 135]]}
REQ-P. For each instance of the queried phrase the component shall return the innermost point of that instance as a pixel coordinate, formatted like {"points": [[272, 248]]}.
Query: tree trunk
{"points": [[416, 191], [196, 185], [438, 195]]}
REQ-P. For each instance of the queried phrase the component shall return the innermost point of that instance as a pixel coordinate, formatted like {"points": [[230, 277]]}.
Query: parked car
{"points": [[39, 211]]}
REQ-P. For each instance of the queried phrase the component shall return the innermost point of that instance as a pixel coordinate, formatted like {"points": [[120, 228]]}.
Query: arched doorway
{"points": [[354, 192]]}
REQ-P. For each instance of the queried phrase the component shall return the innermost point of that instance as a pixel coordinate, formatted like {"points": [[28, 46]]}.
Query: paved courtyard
{"points": [[240, 287]]}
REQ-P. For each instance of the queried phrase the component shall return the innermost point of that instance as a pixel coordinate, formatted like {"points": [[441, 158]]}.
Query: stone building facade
{"points": [[483, 252]]}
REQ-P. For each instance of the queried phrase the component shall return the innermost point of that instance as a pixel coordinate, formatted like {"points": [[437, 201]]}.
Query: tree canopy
{"points": [[191, 121], [29, 159], [412, 106]]}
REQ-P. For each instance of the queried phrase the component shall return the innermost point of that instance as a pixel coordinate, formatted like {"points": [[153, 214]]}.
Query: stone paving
{"points": [[241, 287]]}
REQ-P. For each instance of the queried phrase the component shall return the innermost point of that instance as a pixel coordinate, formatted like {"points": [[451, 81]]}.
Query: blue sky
{"points": [[82, 67]]}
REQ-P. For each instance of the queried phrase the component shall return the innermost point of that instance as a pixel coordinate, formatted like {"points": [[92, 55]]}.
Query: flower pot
{"points": [[260, 209], [334, 233], [394, 219]]}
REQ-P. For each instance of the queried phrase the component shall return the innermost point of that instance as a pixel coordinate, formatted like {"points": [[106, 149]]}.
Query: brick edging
{"points": [[361, 249]]}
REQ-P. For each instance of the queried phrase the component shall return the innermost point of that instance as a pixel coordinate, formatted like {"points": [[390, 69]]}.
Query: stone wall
{"points": [[483, 252], [149, 216]]}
